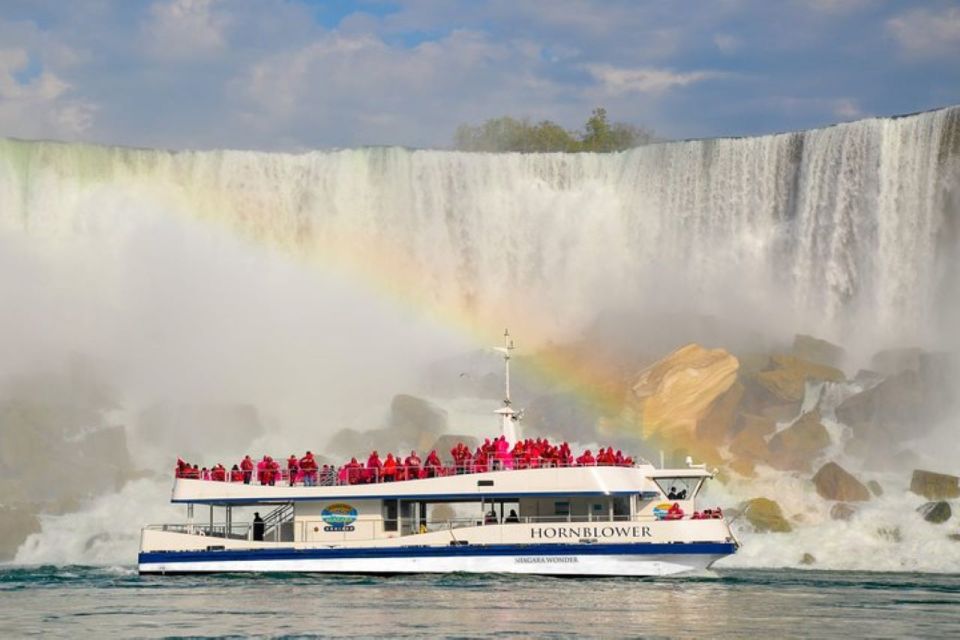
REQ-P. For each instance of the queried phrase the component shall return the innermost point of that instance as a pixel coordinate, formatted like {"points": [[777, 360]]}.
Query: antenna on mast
{"points": [[509, 417]]}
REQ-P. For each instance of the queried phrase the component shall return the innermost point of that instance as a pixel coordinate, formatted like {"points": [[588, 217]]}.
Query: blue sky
{"points": [[300, 74]]}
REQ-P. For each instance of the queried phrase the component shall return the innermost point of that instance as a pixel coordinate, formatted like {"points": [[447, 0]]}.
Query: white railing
{"points": [[349, 475]]}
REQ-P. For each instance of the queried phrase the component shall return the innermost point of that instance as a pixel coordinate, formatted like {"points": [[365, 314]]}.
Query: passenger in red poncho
{"points": [[236, 475], [389, 468], [374, 468], [412, 464], [353, 471], [586, 460], [308, 466], [218, 473], [246, 465], [432, 465], [293, 469], [274, 470]]}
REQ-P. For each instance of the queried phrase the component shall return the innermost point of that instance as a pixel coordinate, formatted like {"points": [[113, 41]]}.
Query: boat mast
{"points": [[508, 417]]}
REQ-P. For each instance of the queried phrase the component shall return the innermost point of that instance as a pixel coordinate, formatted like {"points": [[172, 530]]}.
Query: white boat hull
{"points": [[536, 560]]}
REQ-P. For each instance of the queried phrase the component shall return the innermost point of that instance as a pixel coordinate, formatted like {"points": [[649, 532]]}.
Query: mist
{"points": [[304, 291]]}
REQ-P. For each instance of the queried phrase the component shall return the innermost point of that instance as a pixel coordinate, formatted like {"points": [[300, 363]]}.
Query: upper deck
{"points": [[513, 483]]}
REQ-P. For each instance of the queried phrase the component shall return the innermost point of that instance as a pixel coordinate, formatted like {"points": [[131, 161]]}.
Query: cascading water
{"points": [[848, 232]]}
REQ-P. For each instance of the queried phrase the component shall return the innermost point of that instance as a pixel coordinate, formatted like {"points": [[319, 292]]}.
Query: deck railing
{"points": [[350, 475], [361, 529]]}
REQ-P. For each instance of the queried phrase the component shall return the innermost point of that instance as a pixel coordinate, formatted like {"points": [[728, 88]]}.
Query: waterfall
{"points": [[847, 231]]}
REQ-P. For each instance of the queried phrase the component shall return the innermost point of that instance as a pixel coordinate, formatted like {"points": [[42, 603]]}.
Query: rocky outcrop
{"points": [[808, 559], [842, 511], [893, 361], [796, 447], [934, 486], [936, 512], [786, 382], [415, 421], [884, 412], [687, 389], [875, 488], [833, 482], [765, 515], [444, 444], [818, 351]]}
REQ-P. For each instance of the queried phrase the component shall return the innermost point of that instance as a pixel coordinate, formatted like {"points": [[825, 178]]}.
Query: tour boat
{"points": [[549, 519]]}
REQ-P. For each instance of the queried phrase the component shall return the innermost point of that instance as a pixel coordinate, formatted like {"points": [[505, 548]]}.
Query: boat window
{"points": [[621, 507], [679, 488], [390, 515], [561, 508]]}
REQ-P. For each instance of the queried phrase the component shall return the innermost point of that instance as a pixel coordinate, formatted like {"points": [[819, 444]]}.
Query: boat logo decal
{"points": [[339, 517]]}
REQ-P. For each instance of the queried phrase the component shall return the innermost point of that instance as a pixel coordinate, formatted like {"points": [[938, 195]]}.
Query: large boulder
{"points": [[797, 446], [678, 393], [817, 351], [934, 486], [886, 412], [765, 515], [751, 440], [893, 361], [786, 382], [412, 416], [833, 482], [444, 444], [842, 511], [935, 512]]}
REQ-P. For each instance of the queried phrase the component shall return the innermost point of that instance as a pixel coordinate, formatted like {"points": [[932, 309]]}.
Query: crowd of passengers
{"points": [[492, 455]]}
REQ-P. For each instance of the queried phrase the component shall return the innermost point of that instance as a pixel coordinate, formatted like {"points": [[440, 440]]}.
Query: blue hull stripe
{"points": [[642, 548]]}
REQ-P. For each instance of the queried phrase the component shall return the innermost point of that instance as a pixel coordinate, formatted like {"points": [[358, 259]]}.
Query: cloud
{"points": [[38, 104], [847, 109], [835, 7], [617, 80], [184, 29], [727, 43], [923, 33]]}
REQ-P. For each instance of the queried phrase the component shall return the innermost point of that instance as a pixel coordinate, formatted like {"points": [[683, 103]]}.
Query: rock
{"points": [[893, 361], [765, 515], [842, 511], [883, 412], [798, 445], [875, 488], [954, 536], [892, 534], [787, 381], [818, 351], [808, 559], [866, 378], [16, 523], [935, 512], [934, 486], [833, 482], [743, 467], [445, 443], [720, 417], [751, 440], [678, 393], [413, 416]]}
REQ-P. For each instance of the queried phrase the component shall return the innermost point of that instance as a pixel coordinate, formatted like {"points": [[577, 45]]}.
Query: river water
{"points": [[75, 601]]}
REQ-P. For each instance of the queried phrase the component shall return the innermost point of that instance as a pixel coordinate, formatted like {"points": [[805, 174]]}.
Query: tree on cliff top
{"points": [[510, 134]]}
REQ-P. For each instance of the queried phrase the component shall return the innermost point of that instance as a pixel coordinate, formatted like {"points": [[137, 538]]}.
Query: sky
{"points": [[300, 74]]}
